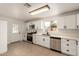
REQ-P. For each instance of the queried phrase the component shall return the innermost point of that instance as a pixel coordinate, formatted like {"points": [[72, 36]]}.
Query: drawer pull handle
{"points": [[67, 40], [67, 44], [67, 50], [65, 27], [43, 39], [77, 26]]}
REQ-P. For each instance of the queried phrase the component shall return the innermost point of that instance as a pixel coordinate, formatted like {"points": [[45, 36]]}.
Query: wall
{"points": [[11, 36]]}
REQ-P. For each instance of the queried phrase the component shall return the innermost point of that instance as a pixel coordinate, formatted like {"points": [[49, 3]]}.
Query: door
{"points": [[3, 36]]}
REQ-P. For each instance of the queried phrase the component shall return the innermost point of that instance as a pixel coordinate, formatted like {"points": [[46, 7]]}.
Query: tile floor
{"points": [[27, 49]]}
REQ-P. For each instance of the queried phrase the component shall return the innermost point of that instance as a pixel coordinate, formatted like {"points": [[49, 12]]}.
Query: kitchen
{"points": [[59, 33], [61, 39]]}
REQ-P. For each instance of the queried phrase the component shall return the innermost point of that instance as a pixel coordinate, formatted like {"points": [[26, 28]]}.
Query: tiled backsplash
{"points": [[69, 32]]}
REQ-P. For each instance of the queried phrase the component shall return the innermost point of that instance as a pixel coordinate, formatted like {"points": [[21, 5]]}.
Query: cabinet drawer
{"points": [[68, 42], [68, 46], [69, 51]]}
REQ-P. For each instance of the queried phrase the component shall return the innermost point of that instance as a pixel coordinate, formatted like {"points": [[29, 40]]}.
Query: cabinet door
{"points": [[37, 40], [59, 21], [46, 42], [41, 40], [24, 37], [77, 21], [34, 38], [70, 22]]}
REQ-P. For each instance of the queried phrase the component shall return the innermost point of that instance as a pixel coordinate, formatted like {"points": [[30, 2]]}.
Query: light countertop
{"points": [[64, 36]]}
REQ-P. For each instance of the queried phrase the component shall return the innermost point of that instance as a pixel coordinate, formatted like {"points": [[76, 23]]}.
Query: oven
{"points": [[30, 36]]}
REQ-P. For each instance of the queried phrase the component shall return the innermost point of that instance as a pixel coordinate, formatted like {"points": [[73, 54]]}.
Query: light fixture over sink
{"points": [[40, 10]]}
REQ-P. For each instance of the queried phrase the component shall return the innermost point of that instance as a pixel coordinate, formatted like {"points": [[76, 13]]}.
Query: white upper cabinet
{"points": [[66, 22], [70, 22], [59, 21], [63, 22], [77, 21]]}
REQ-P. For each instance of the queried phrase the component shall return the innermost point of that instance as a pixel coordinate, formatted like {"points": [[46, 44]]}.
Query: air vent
{"points": [[27, 5]]}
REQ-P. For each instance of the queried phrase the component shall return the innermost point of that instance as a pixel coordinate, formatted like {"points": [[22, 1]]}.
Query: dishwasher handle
{"points": [[55, 38]]}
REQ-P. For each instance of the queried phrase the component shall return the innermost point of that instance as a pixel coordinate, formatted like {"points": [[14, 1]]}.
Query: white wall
{"points": [[11, 36]]}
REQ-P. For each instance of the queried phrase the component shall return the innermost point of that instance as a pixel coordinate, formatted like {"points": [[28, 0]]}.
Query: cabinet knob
{"points": [[76, 42], [43, 39], [67, 44], [67, 40], [77, 26], [24, 35], [65, 27]]}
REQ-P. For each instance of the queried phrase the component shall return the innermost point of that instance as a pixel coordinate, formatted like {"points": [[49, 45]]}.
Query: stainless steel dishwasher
{"points": [[55, 43]]}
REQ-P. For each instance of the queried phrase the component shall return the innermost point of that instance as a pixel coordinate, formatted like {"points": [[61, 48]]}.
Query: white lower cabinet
{"points": [[24, 37], [68, 46], [45, 41], [36, 39], [41, 40]]}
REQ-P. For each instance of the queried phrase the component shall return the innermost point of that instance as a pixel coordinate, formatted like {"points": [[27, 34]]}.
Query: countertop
{"points": [[66, 36], [63, 36]]}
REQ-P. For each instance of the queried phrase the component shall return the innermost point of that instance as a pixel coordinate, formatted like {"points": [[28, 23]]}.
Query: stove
{"points": [[30, 36]]}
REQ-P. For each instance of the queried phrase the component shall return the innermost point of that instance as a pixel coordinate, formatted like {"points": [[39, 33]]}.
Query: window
{"points": [[15, 28], [47, 24]]}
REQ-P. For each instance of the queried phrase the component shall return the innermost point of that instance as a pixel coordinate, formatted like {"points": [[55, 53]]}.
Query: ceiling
{"points": [[20, 12]]}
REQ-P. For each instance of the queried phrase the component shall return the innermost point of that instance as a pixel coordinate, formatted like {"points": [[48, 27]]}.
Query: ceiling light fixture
{"points": [[40, 10]]}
